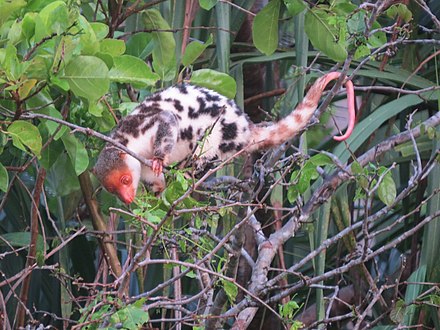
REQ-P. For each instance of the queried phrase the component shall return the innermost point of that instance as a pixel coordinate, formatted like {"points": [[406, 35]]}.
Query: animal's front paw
{"points": [[157, 166]]}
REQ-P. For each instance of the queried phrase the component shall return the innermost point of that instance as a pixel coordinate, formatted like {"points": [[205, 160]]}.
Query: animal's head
{"points": [[119, 173]]}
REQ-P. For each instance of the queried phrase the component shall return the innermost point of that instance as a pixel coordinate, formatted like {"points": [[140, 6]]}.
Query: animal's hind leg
{"points": [[165, 140]]}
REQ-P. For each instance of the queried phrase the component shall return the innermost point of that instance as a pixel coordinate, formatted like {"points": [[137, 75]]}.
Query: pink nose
{"points": [[127, 197]]}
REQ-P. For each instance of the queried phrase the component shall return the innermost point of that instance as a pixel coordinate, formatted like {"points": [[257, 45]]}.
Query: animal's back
{"points": [[206, 121]]}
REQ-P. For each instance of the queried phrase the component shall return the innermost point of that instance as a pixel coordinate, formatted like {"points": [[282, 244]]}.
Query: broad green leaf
{"points": [[113, 47], [294, 7], [357, 23], [53, 127], [164, 59], [8, 8], [51, 154], [387, 190], [139, 45], [77, 153], [4, 178], [414, 289], [89, 42], [24, 134], [21, 239], [28, 25], [100, 30], [55, 17], [320, 160], [265, 28], [12, 66], [324, 36], [194, 50], [61, 168], [15, 34], [25, 87], [207, 4], [361, 52], [132, 70], [87, 77], [217, 81], [399, 10]]}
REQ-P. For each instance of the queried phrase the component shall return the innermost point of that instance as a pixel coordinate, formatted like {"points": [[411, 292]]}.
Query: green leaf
{"points": [[130, 317], [361, 52], [77, 153], [357, 23], [51, 154], [164, 57], [414, 289], [140, 45], [387, 190], [89, 42], [21, 239], [194, 50], [11, 65], [87, 77], [294, 7], [113, 47], [398, 312], [217, 81], [100, 29], [399, 10], [28, 25], [207, 4], [132, 70], [8, 8], [320, 160], [231, 289], [61, 167], [325, 36], [4, 178], [55, 17], [24, 134], [265, 28]]}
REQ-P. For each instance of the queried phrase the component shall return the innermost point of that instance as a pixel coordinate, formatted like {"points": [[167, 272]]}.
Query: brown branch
{"points": [[265, 95], [21, 309], [99, 224]]}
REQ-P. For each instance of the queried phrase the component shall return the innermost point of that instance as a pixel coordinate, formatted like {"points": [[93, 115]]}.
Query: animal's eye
{"points": [[126, 180]]}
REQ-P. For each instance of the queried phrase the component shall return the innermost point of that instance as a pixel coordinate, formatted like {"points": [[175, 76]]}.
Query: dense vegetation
{"points": [[312, 234]]}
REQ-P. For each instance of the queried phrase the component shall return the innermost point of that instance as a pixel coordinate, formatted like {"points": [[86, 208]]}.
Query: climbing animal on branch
{"points": [[187, 122]]}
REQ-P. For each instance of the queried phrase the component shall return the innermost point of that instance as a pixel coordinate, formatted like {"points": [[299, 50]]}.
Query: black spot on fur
{"points": [[192, 113], [120, 138], [148, 109], [130, 125], [178, 105], [229, 131], [157, 97], [227, 147], [209, 96], [187, 133], [147, 126]]}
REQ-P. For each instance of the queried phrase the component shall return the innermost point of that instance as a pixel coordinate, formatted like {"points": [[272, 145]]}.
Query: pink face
{"points": [[120, 182]]}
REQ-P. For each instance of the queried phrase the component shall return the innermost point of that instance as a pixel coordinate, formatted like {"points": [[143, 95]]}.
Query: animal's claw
{"points": [[157, 166]]}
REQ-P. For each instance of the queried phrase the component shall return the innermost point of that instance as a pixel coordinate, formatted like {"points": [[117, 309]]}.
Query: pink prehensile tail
{"points": [[266, 136], [351, 107]]}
